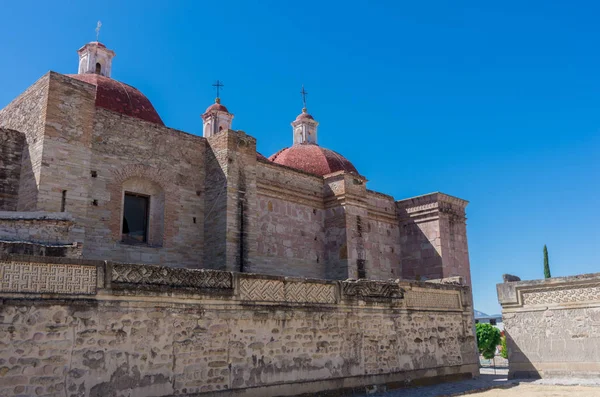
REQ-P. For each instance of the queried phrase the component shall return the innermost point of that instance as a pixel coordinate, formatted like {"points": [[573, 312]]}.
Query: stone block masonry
{"points": [[11, 151], [91, 328], [552, 326]]}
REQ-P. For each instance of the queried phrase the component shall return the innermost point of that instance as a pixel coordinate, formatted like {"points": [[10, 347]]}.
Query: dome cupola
{"points": [[305, 154], [95, 67]]}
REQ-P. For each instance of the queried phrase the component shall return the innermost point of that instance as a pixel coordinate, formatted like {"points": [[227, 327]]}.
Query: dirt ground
{"points": [[533, 390]]}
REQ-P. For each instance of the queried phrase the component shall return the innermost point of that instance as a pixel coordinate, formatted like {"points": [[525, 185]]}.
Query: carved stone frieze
{"points": [[27, 277], [430, 299], [375, 289], [174, 277], [562, 294]]}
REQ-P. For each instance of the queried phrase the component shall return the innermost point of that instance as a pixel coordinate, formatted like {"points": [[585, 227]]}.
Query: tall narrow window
{"points": [[360, 264], [135, 218], [63, 201], [98, 68]]}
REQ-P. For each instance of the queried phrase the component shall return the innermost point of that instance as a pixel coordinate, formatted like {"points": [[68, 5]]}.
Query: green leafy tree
{"points": [[546, 263], [488, 337], [503, 350]]}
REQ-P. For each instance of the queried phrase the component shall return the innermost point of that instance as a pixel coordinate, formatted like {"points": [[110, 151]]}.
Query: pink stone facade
{"points": [[214, 201]]}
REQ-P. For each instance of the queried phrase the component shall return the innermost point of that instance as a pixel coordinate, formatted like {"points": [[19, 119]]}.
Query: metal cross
{"points": [[98, 26], [218, 84], [304, 94]]}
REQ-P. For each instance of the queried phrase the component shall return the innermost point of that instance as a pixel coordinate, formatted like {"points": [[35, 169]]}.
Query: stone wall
{"points": [[382, 239], [38, 233], [145, 158], [433, 237], [290, 223], [552, 326], [84, 328], [27, 114], [11, 152]]}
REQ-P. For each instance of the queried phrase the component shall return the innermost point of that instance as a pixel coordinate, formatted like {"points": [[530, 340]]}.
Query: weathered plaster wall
{"points": [[137, 330], [36, 227], [11, 152], [552, 326], [27, 114], [38, 233], [290, 223]]}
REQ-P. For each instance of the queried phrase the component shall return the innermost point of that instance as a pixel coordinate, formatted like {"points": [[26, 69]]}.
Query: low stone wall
{"points": [[552, 326], [90, 328], [36, 227]]}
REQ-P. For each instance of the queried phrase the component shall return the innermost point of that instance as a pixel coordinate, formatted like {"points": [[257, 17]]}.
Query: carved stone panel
{"points": [[566, 294], [433, 299], [262, 290], [47, 278], [374, 289], [309, 292], [174, 277]]}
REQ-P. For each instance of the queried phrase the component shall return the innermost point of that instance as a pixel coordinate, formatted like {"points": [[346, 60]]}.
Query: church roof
{"points": [[312, 158], [120, 97]]}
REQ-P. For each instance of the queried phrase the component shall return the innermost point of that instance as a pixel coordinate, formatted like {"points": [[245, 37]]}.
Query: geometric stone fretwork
{"points": [[47, 278], [432, 300], [374, 289], [568, 294], [304, 292], [174, 277], [286, 291], [261, 290]]}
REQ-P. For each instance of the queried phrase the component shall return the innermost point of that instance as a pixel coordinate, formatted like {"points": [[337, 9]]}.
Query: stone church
{"points": [[89, 170]]}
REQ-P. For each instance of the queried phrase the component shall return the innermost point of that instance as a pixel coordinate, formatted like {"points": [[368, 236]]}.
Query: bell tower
{"points": [[305, 126], [216, 118], [94, 57]]}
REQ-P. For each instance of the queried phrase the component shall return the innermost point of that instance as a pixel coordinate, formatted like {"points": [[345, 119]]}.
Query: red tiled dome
{"points": [[216, 107], [119, 97], [304, 116], [313, 159]]}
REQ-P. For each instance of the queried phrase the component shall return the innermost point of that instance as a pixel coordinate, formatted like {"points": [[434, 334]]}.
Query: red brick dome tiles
{"points": [[119, 97], [313, 159], [216, 107], [304, 116]]}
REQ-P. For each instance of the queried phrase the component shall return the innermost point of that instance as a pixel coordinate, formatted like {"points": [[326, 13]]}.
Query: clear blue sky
{"points": [[494, 102]]}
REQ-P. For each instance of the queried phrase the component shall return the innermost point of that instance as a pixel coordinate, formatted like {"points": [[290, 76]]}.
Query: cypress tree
{"points": [[546, 263]]}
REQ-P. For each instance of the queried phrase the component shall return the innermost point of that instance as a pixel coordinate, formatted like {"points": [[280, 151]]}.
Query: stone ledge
{"points": [[120, 279], [516, 294], [36, 216]]}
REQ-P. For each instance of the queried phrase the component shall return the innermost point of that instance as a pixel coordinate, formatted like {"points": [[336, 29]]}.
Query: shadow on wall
{"points": [[215, 214], [419, 258], [519, 365], [28, 188]]}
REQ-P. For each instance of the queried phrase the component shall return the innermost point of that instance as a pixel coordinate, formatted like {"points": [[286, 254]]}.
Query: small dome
{"points": [[216, 107], [304, 116], [313, 159], [119, 97]]}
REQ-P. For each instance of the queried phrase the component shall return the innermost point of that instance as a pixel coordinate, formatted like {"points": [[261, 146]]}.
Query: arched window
{"points": [[220, 128], [98, 68], [143, 212]]}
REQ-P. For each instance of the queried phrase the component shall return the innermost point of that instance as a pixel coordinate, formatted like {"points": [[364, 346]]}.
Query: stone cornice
{"points": [[431, 205], [431, 198], [558, 293]]}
